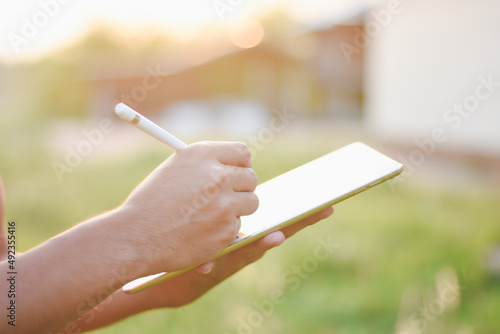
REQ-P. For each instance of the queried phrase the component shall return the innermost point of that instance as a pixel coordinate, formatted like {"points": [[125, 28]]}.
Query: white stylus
{"points": [[133, 117]]}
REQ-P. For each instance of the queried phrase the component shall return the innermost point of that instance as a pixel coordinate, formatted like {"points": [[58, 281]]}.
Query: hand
{"points": [[187, 211], [190, 285]]}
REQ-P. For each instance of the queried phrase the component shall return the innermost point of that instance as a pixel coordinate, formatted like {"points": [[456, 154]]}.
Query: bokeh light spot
{"points": [[246, 34]]}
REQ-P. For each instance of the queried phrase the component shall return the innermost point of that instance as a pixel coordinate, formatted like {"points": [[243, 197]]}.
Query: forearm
{"points": [[64, 278], [175, 292], [187, 287]]}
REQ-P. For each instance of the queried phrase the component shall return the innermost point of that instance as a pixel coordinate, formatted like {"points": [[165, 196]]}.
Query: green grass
{"points": [[393, 244]]}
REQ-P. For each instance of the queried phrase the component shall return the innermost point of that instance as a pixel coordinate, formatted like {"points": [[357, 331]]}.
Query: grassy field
{"points": [[409, 260]]}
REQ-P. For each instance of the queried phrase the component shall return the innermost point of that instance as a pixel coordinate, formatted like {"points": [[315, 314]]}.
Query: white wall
{"points": [[427, 59]]}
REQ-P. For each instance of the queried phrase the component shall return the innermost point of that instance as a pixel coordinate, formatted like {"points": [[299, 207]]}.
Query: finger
{"points": [[206, 268], [255, 250], [244, 203], [238, 227], [261, 246], [294, 228], [232, 153], [264, 244], [242, 179], [271, 240]]}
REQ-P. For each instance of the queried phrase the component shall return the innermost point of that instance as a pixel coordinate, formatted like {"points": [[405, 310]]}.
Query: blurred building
{"points": [[307, 74], [408, 71], [433, 76]]}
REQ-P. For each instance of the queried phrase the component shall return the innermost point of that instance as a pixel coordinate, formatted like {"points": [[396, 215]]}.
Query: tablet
{"points": [[300, 193]]}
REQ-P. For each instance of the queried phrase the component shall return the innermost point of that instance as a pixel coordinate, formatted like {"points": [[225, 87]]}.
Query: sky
{"points": [[31, 28]]}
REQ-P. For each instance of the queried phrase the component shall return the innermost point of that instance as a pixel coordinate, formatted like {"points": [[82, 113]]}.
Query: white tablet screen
{"points": [[319, 182]]}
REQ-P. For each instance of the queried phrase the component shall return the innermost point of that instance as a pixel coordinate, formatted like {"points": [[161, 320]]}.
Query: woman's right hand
{"points": [[187, 210]]}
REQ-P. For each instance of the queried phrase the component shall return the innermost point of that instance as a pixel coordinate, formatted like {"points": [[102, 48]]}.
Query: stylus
{"points": [[133, 117]]}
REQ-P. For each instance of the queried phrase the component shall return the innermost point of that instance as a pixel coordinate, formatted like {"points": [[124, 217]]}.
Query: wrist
{"points": [[127, 243], [152, 237]]}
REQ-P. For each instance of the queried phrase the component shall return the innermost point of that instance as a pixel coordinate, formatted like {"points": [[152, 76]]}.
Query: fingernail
{"points": [[329, 213], [206, 269], [278, 242], [205, 272]]}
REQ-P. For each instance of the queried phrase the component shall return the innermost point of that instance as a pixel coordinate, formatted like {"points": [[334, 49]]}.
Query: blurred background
{"points": [[294, 79]]}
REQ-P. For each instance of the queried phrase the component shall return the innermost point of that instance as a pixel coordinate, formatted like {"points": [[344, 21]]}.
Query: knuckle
{"points": [[204, 148], [253, 202], [243, 149], [253, 178], [219, 176], [191, 151], [200, 148], [229, 237], [224, 209]]}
